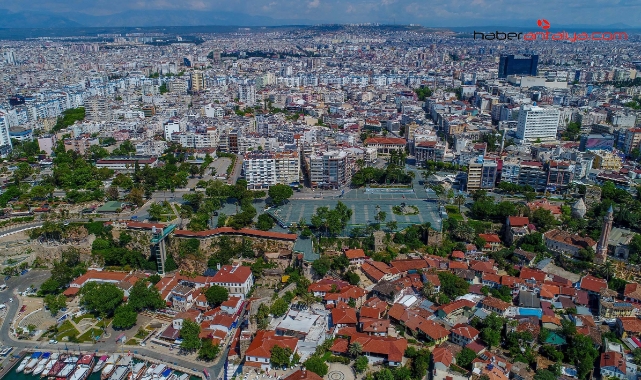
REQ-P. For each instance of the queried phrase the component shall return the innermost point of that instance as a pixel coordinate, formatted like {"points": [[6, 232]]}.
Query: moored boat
{"points": [[160, 368], [35, 358], [53, 360], [166, 373], [137, 371], [85, 365], [184, 376], [101, 363], [120, 372], [44, 359], [57, 366], [110, 366], [70, 365], [23, 364]]}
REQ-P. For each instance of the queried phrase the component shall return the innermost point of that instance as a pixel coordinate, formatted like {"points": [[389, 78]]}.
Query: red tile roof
{"points": [[442, 355], [264, 341], [303, 374], [537, 275], [242, 231], [232, 274], [593, 284], [465, 331], [344, 316], [355, 254], [385, 140], [518, 221]]}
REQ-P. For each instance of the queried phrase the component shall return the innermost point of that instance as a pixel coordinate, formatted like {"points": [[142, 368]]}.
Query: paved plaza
{"points": [[363, 203]]}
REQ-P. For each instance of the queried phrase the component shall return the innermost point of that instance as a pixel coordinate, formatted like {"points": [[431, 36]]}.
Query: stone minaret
{"points": [[602, 246]]}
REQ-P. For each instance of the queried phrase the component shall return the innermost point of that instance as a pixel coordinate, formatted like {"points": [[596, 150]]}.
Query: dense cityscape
{"points": [[341, 202]]}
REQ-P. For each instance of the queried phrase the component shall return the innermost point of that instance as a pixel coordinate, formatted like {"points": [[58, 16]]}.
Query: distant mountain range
{"points": [[160, 18], [149, 18]]}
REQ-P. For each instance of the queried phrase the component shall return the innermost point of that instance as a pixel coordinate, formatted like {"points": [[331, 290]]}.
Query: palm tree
{"points": [[459, 200], [355, 349], [607, 270]]}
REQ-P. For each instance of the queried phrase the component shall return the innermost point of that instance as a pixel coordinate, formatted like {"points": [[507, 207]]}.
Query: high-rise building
{"points": [[5, 140], [329, 170], [632, 140], [247, 94], [97, 109], [481, 173], [9, 57], [518, 65], [197, 81], [537, 123], [265, 169]]}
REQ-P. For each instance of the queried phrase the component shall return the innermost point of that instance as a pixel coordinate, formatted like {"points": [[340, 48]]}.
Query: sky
{"points": [[424, 12]]}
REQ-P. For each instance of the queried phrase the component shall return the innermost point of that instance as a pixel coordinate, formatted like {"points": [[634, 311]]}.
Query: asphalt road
{"points": [[18, 284]]}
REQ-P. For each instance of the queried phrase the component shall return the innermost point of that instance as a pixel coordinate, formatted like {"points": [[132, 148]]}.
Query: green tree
{"points": [[216, 295], [155, 211], [452, 286], [360, 364], [543, 219], [279, 193], [265, 222], [125, 317], [145, 296], [544, 374], [208, 350], [322, 266], [355, 349], [55, 302], [384, 374], [465, 357], [280, 357], [279, 307], [189, 334], [317, 365], [102, 298]]}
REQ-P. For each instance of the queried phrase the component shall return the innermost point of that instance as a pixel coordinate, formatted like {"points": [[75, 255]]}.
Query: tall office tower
{"points": [[247, 94], [5, 140], [197, 81], [97, 109], [9, 57], [537, 123], [518, 65], [481, 173]]}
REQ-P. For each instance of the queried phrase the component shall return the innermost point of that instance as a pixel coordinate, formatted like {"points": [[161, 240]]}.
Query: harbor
{"points": [[29, 365]]}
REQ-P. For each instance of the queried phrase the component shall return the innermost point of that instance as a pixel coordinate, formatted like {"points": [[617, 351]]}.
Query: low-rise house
{"points": [[355, 256], [495, 305], [237, 279], [453, 310], [515, 228], [344, 317], [632, 292], [258, 353], [463, 334], [562, 241], [378, 271], [492, 242], [628, 326], [613, 365]]}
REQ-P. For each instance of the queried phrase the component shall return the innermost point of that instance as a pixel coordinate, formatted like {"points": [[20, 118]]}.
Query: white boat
{"points": [[158, 370], [184, 376], [101, 363], [137, 371], [70, 365], [85, 365], [166, 373], [35, 358], [111, 365], [23, 364], [50, 364], [120, 372], [44, 360]]}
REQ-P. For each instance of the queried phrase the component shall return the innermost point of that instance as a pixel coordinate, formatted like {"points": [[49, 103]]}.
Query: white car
{"points": [[10, 299]]}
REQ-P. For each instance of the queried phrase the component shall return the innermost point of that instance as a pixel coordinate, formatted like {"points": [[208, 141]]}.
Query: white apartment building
{"points": [[5, 140], [171, 127], [265, 169], [247, 94], [237, 279], [537, 123], [214, 110], [196, 140]]}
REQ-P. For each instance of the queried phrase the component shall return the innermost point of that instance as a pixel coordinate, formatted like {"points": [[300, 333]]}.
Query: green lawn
{"points": [[452, 212], [142, 334], [87, 336], [66, 330]]}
